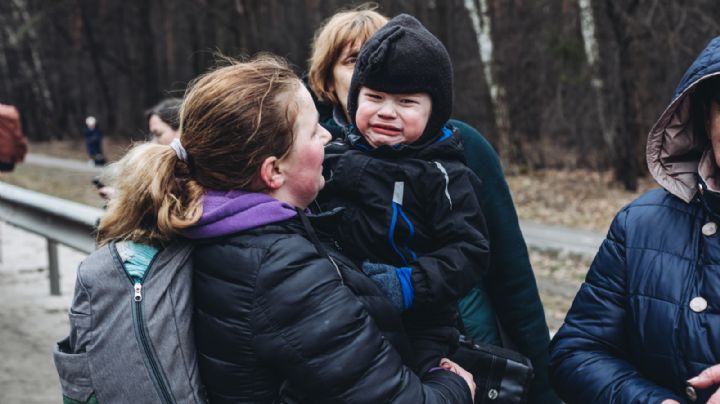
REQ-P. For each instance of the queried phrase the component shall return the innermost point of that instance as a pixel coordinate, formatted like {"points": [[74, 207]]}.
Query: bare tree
{"points": [[481, 23], [22, 16], [571, 83], [592, 53]]}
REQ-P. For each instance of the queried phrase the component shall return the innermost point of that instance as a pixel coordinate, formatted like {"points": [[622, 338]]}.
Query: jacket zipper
{"points": [[144, 340], [141, 335]]}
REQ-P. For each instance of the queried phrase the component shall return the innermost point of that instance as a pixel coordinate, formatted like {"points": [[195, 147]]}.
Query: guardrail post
{"points": [[55, 219], [53, 266]]}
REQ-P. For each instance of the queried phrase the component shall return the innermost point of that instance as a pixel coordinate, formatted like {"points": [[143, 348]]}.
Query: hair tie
{"points": [[179, 150]]}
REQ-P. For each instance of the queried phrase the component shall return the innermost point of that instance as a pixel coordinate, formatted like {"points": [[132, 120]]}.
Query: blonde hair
{"points": [[231, 120], [149, 205], [343, 29]]}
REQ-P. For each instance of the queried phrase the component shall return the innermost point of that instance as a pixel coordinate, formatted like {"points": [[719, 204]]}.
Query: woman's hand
{"points": [[447, 364], [707, 378]]}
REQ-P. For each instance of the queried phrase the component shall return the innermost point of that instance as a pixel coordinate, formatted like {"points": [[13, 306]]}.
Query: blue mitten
{"points": [[395, 282]]}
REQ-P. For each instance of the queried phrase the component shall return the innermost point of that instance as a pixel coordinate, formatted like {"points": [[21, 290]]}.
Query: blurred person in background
{"points": [[13, 145], [503, 309], [93, 141], [163, 120]]}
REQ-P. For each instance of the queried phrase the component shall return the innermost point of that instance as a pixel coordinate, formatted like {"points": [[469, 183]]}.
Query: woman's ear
{"points": [[270, 175]]}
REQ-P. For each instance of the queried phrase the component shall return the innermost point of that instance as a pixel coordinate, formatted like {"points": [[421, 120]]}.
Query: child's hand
{"points": [[447, 364], [394, 282]]}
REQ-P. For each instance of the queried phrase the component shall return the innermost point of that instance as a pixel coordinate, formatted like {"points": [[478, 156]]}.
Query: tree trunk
{"points": [[482, 26], [623, 155], [100, 77], [5, 72], [37, 64], [592, 54]]}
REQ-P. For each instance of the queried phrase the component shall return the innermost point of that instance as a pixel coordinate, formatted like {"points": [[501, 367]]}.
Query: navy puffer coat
{"points": [[647, 317]]}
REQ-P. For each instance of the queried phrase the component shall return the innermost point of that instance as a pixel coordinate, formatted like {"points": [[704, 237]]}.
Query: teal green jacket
{"points": [[508, 292]]}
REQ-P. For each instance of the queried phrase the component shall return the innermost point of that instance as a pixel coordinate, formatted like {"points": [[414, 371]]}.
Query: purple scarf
{"points": [[227, 212]]}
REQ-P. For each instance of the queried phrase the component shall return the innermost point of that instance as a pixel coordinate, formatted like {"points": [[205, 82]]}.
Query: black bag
{"points": [[501, 375]]}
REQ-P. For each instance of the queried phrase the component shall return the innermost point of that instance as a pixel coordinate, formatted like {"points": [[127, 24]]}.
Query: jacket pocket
{"points": [[74, 374], [79, 338]]}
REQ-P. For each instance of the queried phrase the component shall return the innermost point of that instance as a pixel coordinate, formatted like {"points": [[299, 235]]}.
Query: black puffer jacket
{"points": [[270, 309], [418, 208]]}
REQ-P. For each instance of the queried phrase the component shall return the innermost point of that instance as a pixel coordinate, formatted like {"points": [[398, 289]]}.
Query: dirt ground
{"points": [[30, 319], [580, 198], [75, 149]]}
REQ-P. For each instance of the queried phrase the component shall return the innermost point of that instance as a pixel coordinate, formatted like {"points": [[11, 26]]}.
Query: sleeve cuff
{"points": [[408, 292]]}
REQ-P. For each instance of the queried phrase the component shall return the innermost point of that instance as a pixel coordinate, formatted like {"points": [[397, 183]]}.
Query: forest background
{"points": [[551, 83], [566, 90]]}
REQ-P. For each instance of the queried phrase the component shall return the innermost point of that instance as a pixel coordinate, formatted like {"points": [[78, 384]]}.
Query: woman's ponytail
{"points": [[155, 197]]}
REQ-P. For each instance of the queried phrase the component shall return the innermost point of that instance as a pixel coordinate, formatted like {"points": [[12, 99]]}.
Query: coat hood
{"points": [[227, 212], [677, 152]]}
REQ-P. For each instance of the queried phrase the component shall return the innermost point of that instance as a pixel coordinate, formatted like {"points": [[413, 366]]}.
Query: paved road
{"points": [[31, 320], [558, 238]]}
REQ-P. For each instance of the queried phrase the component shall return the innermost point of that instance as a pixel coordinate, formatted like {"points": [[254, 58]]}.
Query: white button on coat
{"points": [[709, 228], [698, 304]]}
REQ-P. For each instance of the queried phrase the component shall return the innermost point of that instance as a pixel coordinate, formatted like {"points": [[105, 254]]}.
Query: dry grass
{"points": [[559, 276], [75, 149], [579, 198], [72, 185], [68, 184]]}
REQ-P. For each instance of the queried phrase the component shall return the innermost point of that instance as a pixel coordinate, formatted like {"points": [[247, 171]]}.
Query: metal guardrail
{"points": [[58, 220], [73, 224], [42, 160]]}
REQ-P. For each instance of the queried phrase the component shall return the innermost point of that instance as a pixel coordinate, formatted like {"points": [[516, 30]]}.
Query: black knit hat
{"points": [[404, 57]]}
